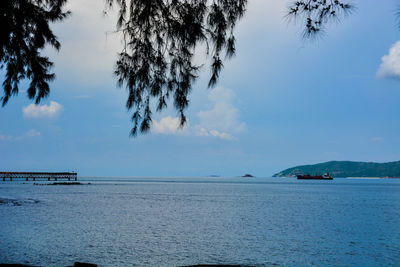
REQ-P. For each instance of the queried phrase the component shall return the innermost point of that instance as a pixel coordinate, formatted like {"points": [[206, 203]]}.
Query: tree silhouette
{"points": [[161, 37], [316, 14], [24, 32]]}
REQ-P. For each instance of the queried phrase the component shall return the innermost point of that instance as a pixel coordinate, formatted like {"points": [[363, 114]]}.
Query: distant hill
{"points": [[346, 169]]}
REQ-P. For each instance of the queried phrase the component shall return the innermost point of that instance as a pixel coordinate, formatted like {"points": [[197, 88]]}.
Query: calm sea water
{"points": [[186, 221]]}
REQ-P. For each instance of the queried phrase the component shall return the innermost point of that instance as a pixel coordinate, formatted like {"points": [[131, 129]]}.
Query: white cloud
{"points": [[46, 111], [221, 135], [222, 120], [214, 133], [167, 125], [89, 45], [390, 66], [202, 132]]}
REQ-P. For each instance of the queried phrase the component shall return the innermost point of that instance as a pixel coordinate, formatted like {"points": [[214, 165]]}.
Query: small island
{"points": [[247, 176]]}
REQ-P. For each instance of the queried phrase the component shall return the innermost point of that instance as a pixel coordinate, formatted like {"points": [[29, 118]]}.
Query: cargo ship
{"points": [[326, 176]]}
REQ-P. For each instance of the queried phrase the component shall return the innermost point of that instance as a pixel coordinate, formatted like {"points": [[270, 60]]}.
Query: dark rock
{"points": [[83, 264], [61, 183]]}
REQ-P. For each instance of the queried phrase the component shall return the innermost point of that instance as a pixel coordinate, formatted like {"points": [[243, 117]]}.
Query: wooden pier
{"points": [[37, 176]]}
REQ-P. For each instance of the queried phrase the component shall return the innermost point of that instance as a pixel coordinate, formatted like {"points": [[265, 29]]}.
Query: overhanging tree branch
{"points": [[161, 37], [316, 14], [24, 32]]}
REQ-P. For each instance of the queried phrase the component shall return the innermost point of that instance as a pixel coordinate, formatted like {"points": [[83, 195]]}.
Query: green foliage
{"points": [[24, 32], [346, 169], [161, 37]]}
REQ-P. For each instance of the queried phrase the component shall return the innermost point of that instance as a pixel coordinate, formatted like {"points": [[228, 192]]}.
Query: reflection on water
{"points": [[188, 221]]}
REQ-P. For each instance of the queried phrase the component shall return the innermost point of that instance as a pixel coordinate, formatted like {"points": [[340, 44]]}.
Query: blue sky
{"points": [[280, 102]]}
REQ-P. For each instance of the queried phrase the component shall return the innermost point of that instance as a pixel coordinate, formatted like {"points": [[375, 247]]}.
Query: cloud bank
{"points": [[220, 121], [390, 66], [44, 111]]}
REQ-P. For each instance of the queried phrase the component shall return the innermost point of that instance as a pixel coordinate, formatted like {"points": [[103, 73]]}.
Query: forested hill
{"points": [[346, 169]]}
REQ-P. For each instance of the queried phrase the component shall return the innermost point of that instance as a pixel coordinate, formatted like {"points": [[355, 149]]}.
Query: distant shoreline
{"points": [[346, 169], [372, 177], [346, 177]]}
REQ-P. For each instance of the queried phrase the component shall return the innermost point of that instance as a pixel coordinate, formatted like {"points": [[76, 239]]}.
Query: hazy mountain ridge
{"points": [[346, 169]]}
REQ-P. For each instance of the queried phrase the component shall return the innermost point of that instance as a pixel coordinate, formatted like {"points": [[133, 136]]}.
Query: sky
{"points": [[280, 102]]}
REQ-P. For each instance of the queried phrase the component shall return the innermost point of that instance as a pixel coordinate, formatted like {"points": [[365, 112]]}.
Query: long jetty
{"points": [[34, 176]]}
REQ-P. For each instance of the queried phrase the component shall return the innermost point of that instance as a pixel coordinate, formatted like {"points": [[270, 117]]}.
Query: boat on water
{"points": [[326, 176]]}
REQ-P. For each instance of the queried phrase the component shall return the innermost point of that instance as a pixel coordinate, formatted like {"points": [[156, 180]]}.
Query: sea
{"points": [[181, 221]]}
